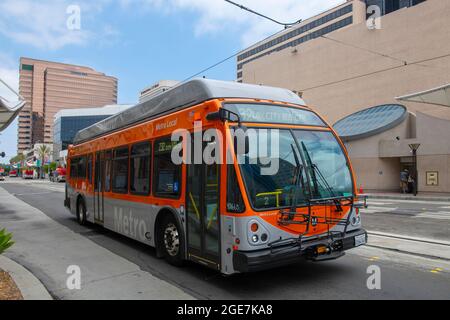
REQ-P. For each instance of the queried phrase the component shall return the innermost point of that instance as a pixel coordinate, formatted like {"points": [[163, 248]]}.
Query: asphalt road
{"points": [[402, 276]]}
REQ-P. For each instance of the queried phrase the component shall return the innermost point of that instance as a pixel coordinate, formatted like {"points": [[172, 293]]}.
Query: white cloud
{"points": [[43, 24], [10, 74], [217, 16]]}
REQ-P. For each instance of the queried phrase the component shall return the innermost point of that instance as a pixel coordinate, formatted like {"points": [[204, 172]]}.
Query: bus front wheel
{"points": [[170, 241], [81, 212]]}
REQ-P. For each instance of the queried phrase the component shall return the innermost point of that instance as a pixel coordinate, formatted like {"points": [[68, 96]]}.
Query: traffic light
{"points": [[3, 154]]}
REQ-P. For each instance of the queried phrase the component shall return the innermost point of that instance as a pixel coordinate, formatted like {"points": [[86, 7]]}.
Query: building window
{"points": [[27, 67], [167, 175], [120, 170], [140, 169], [325, 19]]}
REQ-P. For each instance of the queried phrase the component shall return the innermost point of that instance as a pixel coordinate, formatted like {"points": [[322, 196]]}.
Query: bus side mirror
{"points": [[224, 115]]}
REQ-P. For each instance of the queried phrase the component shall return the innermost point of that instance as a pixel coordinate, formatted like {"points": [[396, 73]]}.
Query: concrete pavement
{"points": [[422, 196], [404, 276], [30, 287], [49, 249]]}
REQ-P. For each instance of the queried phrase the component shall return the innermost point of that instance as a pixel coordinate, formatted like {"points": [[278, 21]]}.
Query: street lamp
{"points": [[414, 147]]}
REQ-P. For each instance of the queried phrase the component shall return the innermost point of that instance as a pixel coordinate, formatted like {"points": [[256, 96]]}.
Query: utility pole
{"points": [[414, 147]]}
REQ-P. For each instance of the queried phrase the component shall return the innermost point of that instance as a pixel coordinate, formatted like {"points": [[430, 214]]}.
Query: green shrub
{"points": [[5, 240]]}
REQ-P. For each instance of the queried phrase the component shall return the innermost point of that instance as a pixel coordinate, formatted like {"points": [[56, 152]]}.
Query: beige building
{"points": [[354, 67], [49, 87]]}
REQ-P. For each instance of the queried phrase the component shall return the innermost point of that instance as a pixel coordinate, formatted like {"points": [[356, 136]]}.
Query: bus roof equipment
{"points": [[183, 96]]}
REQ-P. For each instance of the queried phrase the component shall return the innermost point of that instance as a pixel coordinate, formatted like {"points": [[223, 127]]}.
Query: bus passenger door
{"points": [[202, 205], [99, 186]]}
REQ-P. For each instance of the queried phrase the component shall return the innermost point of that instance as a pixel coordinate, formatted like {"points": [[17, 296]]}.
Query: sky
{"points": [[137, 41]]}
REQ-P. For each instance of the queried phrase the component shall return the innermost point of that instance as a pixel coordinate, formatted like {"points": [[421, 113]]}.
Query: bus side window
{"points": [[166, 174], [140, 168], [108, 169], [120, 170], [81, 168], [235, 203], [73, 167], [89, 169]]}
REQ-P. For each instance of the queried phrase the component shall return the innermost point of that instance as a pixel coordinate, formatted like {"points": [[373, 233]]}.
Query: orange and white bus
{"points": [[229, 215]]}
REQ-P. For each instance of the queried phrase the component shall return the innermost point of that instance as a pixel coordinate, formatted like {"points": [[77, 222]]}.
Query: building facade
{"points": [[354, 68], [49, 87], [68, 122], [156, 89]]}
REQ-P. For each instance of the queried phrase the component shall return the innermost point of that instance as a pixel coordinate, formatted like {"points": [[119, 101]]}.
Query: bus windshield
{"points": [[304, 156]]}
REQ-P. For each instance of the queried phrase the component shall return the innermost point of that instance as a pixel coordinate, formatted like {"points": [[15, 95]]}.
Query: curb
{"points": [[30, 287], [408, 198], [423, 247]]}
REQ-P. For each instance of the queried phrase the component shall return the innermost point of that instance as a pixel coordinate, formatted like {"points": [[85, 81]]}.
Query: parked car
{"points": [[2, 177], [13, 174], [28, 174], [59, 175]]}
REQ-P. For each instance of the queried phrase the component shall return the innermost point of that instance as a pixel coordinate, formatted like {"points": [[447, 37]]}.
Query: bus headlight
{"points": [[257, 234]]}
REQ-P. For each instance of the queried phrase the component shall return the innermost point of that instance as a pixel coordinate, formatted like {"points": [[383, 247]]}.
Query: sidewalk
{"points": [[30, 287], [421, 196], [47, 249], [430, 248]]}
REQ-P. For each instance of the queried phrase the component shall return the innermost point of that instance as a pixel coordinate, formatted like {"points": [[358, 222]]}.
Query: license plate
{"points": [[360, 240]]}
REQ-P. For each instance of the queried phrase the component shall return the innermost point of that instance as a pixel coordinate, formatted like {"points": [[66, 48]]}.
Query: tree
{"points": [[18, 158], [5, 240], [43, 152]]}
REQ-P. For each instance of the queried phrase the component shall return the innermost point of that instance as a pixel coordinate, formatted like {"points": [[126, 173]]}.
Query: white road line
{"points": [[392, 201], [374, 209], [441, 215]]}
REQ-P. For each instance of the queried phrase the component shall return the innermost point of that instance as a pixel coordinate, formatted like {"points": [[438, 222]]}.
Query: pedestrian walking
{"points": [[404, 177]]}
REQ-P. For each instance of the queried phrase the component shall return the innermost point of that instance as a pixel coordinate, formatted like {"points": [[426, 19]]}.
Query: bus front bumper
{"points": [[320, 249]]}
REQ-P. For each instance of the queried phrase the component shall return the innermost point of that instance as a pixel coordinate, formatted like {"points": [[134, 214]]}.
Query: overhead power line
{"points": [[364, 49], [419, 63], [286, 25], [211, 67]]}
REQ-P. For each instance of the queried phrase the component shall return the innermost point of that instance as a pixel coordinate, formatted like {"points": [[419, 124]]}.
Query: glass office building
{"points": [[68, 122]]}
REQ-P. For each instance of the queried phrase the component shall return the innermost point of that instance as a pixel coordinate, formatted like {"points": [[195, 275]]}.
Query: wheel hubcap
{"points": [[81, 212], [171, 239]]}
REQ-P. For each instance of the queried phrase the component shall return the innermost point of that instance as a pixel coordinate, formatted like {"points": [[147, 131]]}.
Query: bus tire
{"points": [[171, 241], [81, 211]]}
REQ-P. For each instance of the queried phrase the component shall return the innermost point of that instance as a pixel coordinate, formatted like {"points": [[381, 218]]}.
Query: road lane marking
{"points": [[31, 194], [437, 270], [374, 259], [440, 215]]}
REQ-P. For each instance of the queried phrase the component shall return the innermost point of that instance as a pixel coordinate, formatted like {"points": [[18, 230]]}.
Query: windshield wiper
{"points": [[316, 171], [298, 175]]}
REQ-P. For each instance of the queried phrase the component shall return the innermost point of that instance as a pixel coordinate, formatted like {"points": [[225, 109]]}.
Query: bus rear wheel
{"points": [[81, 212], [170, 241]]}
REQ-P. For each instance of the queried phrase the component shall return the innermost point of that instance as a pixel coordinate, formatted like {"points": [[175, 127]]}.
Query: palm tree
{"points": [[43, 152], [18, 158]]}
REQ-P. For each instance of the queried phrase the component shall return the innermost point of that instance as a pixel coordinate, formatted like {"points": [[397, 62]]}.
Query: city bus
{"points": [[233, 216]]}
